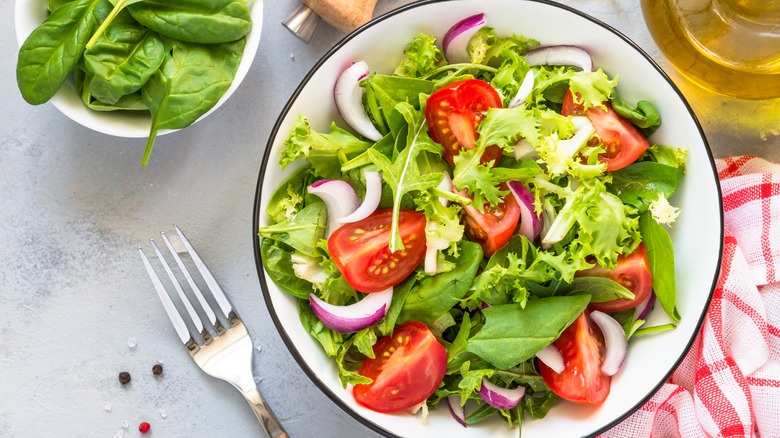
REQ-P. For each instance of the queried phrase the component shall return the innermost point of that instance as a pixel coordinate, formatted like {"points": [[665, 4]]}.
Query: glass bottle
{"points": [[731, 47]]}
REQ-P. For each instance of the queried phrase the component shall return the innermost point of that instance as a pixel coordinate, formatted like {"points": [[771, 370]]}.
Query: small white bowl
{"points": [[697, 235], [29, 14]]}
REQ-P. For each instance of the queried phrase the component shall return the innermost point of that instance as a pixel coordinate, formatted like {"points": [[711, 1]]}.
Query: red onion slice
{"points": [[552, 357], [560, 55], [456, 39], [431, 260], [370, 202], [524, 90], [458, 412], [645, 306], [530, 223], [614, 341], [349, 100], [500, 398], [354, 317], [339, 197]]}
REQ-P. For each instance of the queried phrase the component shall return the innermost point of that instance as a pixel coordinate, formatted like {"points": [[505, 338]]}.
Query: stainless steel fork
{"points": [[227, 355]]}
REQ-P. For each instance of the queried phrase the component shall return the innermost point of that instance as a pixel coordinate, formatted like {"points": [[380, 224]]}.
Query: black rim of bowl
{"points": [[257, 213]]}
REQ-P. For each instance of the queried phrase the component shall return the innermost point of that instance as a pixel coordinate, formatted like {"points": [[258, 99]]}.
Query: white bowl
{"points": [[29, 14], [697, 235]]}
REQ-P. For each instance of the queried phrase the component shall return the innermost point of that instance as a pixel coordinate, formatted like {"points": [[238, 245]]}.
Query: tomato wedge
{"points": [[454, 112], [622, 141], [631, 272], [361, 250], [493, 228], [408, 367], [582, 348]]}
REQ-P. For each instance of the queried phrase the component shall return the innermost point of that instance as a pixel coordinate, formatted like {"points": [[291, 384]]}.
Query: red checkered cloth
{"points": [[728, 385]]}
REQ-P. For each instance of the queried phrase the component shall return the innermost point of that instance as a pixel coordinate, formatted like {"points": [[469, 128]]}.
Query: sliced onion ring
{"points": [[370, 202], [645, 306], [339, 197], [354, 317], [552, 357], [431, 260], [614, 341], [456, 39], [349, 100], [560, 55], [524, 90], [500, 398], [530, 223], [458, 412]]}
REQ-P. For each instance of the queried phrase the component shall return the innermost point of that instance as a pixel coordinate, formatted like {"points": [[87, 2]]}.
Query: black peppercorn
{"points": [[157, 369], [124, 377]]}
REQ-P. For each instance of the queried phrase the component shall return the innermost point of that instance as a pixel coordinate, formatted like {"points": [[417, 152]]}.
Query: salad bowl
{"points": [[696, 236], [29, 14]]}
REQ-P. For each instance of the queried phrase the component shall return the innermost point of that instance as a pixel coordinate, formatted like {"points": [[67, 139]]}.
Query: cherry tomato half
{"points": [[408, 367], [493, 228], [622, 141], [582, 347], [454, 112], [631, 272], [361, 250]]}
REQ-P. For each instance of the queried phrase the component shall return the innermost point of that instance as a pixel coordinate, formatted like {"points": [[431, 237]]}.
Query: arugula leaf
{"points": [[403, 175], [513, 334], [321, 150], [660, 253]]}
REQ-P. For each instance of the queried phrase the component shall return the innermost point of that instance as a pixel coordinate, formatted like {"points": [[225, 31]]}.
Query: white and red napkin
{"points": [[728, 385]]}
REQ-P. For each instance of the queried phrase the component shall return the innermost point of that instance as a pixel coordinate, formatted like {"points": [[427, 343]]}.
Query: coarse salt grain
{"points": [[132, 343]]}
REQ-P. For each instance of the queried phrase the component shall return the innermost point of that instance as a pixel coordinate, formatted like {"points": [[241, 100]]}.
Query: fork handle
{"points": [[271, 425]]}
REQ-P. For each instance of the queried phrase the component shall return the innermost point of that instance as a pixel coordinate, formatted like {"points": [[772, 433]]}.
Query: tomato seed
{"points": [[359, 231]]}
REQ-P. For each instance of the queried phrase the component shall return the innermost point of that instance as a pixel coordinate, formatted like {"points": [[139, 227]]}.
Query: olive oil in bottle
{"points": [[731, 47]]}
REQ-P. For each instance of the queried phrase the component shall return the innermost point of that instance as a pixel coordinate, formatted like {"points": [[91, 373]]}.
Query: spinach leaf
{"points": [[130, 102], [54, 48], [513, 334], [55, 4], [302, 231], [644, 116], [601, 289], [122, 60], [639, 184], [194, 21], [400, 292], [385, 92], [119, 7], [189, 82], [434, 296], [276, 261], [660, 253]]}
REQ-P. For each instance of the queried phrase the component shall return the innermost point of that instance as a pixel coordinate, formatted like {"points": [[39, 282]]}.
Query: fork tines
{"points": [[216, 291]]}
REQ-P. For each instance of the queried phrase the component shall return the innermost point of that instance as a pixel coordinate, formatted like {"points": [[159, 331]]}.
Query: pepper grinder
{"points": [[346, 15]]}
